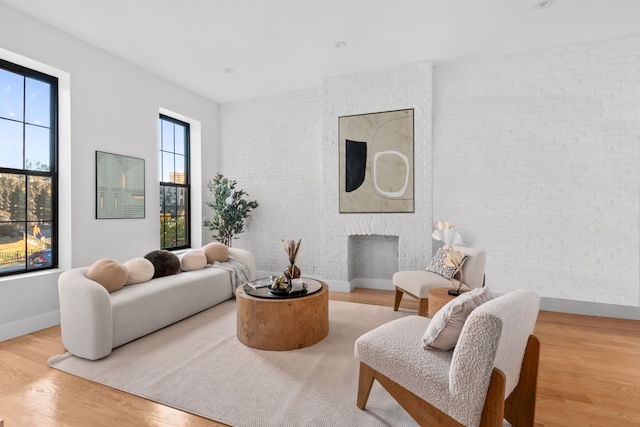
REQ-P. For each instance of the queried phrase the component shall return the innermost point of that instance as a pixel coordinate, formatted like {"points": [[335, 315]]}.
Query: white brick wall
{"points": [[272, 148], [537, 160], [393, 88]]}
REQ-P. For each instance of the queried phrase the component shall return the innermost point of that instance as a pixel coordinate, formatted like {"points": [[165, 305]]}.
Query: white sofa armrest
{"points": [[86, 318], [246, 258]]}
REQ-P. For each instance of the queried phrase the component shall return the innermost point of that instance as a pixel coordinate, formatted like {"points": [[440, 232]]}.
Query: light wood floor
{"points": [[589, 376]]}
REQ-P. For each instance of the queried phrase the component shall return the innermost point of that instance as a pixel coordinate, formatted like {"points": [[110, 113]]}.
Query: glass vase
{"points": [[292, 272]]}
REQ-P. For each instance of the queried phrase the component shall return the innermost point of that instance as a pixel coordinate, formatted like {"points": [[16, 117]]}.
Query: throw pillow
{"points": [[216, 251], [164, 263], [445, 327], [109, 273], [140, 270], [437, 265], [193, 260]]}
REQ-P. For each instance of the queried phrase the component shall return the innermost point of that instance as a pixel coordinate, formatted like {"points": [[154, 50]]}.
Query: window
{"points": [[28, 170], [174, 183]]}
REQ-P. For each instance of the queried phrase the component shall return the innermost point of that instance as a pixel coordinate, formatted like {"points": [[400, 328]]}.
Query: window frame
{"points": [[187, 180], [52, 173]]}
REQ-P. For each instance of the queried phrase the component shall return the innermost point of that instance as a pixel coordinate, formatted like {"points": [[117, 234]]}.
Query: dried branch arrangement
{"points": [[291, 248]]}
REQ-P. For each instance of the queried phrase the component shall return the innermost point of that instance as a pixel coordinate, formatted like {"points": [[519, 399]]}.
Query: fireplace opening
{"points": [[373, 259]]}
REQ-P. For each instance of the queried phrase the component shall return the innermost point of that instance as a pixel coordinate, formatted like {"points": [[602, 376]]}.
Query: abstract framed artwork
{"points": [[376, 162], [119, 186]]}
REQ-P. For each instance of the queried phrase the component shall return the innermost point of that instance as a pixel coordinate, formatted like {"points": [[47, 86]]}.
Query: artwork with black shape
{"points": [[376, 162], [356, 164]]}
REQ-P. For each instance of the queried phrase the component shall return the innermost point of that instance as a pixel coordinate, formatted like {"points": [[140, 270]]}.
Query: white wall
{"points": [[537, 161], [273, 149], [114, 108]]}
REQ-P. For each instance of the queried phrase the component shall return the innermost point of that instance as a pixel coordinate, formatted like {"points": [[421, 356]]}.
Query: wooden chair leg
{"points": [[423, 306], [396, 304], [520, 406], [365, 382]]}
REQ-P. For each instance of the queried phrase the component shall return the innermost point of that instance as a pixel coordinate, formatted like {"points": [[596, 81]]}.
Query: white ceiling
{"points": [[277, 46]]}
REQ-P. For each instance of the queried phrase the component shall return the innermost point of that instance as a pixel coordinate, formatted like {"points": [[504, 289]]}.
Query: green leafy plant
{"points": [[230, 209]]}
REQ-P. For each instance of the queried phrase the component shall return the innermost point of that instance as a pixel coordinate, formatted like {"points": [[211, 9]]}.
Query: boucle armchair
{"points": [[496, 358], [418, 283]]}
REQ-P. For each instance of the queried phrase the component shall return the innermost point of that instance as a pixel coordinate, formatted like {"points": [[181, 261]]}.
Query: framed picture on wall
{"points": [[119, 186], [376, 162]]}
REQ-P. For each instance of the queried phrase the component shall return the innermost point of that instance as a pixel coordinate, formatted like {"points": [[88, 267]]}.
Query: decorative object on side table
{"points": [[230, 209], [447, 233], [291, 248], [455, 259]]}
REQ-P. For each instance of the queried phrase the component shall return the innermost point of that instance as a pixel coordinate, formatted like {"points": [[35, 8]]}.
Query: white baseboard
{"points": [[26, 326], [384, 284], [590, 308], [338, 286]]}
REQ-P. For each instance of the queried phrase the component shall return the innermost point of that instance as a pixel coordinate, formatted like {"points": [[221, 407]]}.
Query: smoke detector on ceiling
{"points": [[544, 4]]}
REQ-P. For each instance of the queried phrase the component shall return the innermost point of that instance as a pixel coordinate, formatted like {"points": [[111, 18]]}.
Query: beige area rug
{"points": [[198, 365]]}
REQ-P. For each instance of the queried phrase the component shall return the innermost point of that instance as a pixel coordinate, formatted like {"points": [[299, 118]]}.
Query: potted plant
{"points": [[230, 209]]}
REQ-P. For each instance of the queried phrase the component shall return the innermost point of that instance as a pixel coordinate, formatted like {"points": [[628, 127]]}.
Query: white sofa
{"points": [[93, 321]]}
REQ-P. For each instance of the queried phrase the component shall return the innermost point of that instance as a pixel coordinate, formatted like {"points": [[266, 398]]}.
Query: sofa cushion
{"points": [[140, 270], [164, 263], [437, 265], [216, 251], [193, 260], [109, 273], [445, 327]]}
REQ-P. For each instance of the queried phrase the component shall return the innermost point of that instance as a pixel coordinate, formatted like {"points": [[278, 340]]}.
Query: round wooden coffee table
{"points": [[283, 323]]}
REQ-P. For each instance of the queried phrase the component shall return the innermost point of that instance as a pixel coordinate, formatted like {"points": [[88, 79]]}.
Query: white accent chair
{"points": [[418, 283], [491, 374]]}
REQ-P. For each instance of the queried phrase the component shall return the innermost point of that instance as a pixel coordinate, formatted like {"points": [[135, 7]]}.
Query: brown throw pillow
{"points": [[445, 327], [164, 263], [109, 273]]}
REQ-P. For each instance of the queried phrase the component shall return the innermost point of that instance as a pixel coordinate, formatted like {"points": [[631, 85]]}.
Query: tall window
{"points": [[28, 169], [174, 183]]}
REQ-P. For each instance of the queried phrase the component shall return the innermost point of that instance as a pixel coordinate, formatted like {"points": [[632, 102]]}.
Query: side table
{"points": [[438, 297]]}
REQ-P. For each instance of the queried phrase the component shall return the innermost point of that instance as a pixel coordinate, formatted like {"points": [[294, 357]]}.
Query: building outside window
{"points": [[28, 169], [174, 183]]}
